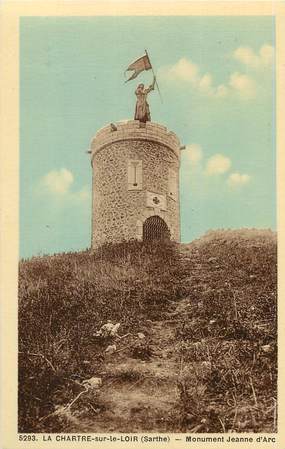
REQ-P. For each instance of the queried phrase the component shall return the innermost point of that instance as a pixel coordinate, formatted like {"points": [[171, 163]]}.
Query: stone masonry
{"points": [[135, 176]]}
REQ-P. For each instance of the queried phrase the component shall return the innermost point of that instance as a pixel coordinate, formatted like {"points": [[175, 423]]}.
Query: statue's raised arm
{"points": [[151, 87]]}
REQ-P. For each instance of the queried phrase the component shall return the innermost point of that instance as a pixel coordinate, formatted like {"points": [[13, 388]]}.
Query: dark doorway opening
{"points": [[155, 228]]}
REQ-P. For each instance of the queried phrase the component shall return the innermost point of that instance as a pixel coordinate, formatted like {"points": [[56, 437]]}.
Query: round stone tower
{"points": [[135, 183]]}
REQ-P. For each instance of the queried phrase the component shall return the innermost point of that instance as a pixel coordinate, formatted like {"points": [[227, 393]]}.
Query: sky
{"points": [[216, 77]]}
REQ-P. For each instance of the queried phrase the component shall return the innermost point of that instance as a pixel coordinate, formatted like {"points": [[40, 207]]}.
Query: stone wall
{"points": [[118, 211]]}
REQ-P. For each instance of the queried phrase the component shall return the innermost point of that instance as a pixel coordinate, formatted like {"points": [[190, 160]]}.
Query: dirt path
{"points": [[140, 389], [140, 384]]}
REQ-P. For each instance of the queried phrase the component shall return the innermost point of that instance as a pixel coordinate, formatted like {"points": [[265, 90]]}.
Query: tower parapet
{"points": [[135, 183]]}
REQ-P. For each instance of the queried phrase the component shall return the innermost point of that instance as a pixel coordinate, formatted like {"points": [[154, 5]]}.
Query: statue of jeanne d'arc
{"points": [[142, 112]]}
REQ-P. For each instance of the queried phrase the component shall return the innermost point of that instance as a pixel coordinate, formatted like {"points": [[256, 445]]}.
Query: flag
{"points": [[138, 66]]}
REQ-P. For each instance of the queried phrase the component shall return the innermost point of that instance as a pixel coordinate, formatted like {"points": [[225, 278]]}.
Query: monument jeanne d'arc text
{"points": [[135, 187]]}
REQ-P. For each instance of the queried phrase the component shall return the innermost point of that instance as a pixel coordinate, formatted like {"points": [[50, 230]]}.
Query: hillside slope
{"points": [[195, 350]]}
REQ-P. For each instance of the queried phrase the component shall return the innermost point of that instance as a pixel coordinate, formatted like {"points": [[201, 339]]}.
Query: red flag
{"points": [[141, 64]]}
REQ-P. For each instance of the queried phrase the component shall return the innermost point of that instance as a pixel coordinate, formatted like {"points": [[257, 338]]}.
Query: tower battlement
{"points": [[135, 183], [129, 130]]}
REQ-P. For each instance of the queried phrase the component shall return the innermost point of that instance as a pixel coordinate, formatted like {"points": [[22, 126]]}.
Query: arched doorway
{"points": [[155, 228]]}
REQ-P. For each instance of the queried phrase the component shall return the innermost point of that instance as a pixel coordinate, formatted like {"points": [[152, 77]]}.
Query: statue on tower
{"points": [[142, 112], [143, 63]]}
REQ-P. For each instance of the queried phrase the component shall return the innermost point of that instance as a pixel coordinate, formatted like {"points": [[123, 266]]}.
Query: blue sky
{"points": [[216, 76]]}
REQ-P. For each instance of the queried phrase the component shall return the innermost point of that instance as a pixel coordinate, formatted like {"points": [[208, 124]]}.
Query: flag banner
{"points": [[141, 64]]}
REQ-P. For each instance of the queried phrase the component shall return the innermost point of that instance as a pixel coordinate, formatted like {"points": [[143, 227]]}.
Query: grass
{"points": [[223, 290], [64, 299], [229, 334]]}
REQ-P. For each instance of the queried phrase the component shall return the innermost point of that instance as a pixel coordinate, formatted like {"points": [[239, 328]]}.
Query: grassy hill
{"points": [[196, 348]]}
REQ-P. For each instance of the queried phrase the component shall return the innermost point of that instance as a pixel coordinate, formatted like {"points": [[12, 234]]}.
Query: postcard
{"points": [[142, 224]]}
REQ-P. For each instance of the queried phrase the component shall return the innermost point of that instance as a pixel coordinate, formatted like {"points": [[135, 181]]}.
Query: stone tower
{"points": [[135, 183]]}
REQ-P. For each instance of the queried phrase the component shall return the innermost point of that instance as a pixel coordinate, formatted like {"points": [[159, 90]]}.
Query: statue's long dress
{"points": [[142, 112]]}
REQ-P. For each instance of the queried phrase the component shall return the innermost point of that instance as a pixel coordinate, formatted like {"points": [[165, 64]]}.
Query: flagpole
{"points": [[154, 77]]}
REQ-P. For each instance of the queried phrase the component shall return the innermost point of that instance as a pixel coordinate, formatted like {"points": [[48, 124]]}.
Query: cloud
{"points": [[187, 71], [82, 195], [58, 181], [193, 153], [206, 87], [183, 70], [222, 91], [237, 179], [217, 164], [243, 85], [238, 84], [264, 57], [206, 82]]}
